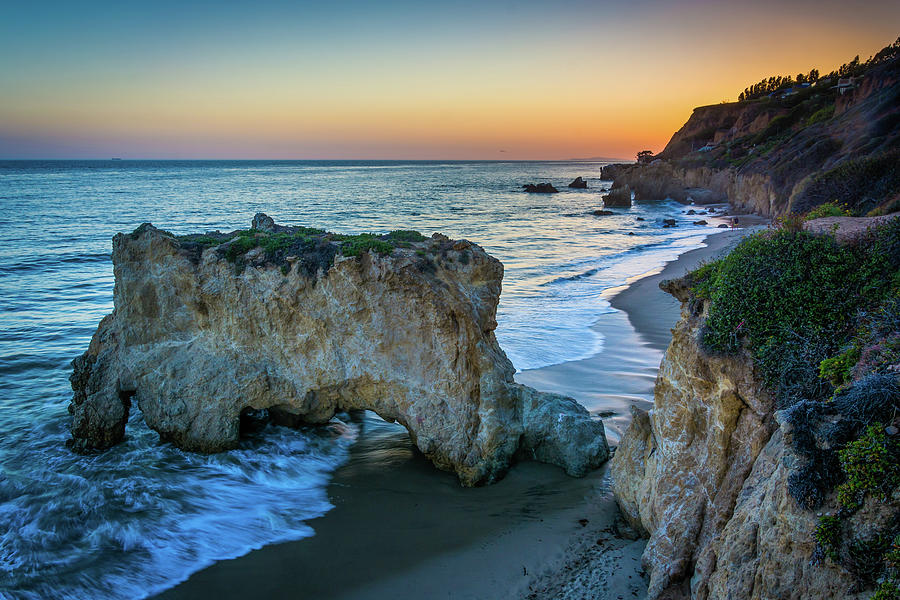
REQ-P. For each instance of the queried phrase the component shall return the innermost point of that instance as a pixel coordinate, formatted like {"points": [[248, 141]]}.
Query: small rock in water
{"points": [[540, 188], [723, 226], [669, 223], [700, 222], [602, 213], [578, 183], [640, 219]]}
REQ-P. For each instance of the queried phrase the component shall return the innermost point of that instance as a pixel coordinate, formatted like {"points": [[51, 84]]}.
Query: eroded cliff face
{"points": [[752, 192], [678, 470], [767, 549], [408, 334], [767, 156], [704, 475]]}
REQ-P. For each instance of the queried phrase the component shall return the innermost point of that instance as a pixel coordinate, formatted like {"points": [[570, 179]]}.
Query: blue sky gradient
{"points": [[396, 79]]}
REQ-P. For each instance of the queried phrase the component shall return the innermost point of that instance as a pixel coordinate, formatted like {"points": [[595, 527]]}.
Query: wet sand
{"points": [[652, 312], [402, 529]]}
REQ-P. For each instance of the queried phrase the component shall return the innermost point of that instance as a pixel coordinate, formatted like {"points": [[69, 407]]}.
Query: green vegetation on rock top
{"points": [[829, 209], [780, 292], [354, 245], [313, 248], [242, 241]]}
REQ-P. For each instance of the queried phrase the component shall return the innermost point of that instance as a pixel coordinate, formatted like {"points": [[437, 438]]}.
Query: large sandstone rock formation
{"points": [[700, 185], [704, 474], [205, 329]]}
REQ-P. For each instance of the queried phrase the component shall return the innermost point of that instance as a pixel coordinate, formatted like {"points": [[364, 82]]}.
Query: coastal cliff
{"points": [[754, 475], [787, 152], [754, 192], [295, 324], [680, 467], [704, 474]]}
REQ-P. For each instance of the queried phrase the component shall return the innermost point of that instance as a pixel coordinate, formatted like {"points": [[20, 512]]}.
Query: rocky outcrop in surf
{"points": [[540, 188], [618, 196], [301, 324]]}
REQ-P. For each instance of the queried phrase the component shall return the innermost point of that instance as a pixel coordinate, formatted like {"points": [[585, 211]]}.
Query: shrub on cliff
{"points": [[888, 590], [829, 209], [779, 289], [823, 114], [872, 465], [823, 434], [794, 298]]}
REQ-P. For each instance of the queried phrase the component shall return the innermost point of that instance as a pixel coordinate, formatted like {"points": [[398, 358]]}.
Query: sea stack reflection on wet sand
{"points": [[297, 324]]}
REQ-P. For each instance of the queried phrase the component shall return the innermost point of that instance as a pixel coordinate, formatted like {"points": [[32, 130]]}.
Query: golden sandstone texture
{"points": [[704, 474], [203, 331]]}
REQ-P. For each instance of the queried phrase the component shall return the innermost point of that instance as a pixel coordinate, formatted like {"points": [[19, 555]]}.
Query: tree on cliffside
{"points": [[644, 157]]}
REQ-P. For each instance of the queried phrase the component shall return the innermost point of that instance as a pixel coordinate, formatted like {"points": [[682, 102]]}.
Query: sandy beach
{"points": [[402, 529]]}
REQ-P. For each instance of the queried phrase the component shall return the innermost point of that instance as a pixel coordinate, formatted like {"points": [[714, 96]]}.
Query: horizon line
{"points": [[123, 159]]}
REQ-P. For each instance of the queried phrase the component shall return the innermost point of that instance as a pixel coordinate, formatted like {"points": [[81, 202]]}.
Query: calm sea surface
{"points": [[143, 516]]}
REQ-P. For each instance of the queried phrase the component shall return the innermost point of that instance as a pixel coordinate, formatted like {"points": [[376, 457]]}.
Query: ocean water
{"points": [[143, 516]]}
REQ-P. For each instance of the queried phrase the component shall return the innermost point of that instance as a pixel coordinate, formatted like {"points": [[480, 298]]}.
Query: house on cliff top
{"points": [[846, 84]]}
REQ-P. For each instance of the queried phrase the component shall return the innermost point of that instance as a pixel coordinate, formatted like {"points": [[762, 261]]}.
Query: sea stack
{"points": [[302, 324]]}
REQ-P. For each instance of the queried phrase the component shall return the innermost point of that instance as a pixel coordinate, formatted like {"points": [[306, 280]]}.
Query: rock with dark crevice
{"points": [[618, 196], [263, 222]]}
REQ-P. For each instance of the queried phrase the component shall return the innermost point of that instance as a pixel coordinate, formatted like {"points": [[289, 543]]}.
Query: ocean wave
{"points": [[44, 262], [143, 516]]}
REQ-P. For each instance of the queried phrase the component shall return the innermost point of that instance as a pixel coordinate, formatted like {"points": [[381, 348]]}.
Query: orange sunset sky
{"points": [[404, 80]]}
